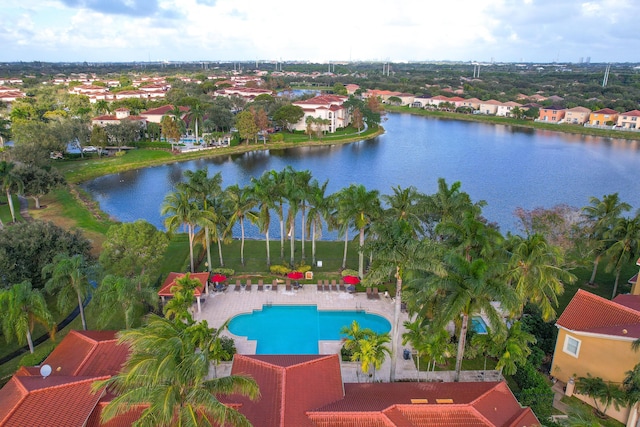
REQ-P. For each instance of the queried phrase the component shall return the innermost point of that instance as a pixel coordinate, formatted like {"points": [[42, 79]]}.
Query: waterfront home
{"points": [[577, 115], [246, 93], [473, 103], [351, 88], [603, 117], [629, 120], [489, 107], [553, 114], [598, 344], [120, 115], [155, 115], [504, 109], [327, 107]]}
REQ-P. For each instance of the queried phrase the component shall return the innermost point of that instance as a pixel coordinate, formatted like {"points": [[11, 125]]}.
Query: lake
{"points": [[507, 167]]}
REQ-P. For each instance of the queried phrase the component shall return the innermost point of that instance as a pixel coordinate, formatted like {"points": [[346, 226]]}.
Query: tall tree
{"points": [[602, 216], [38, 181], [170, 130], [69, 278], [196, 115], [246, 125], [239, 202], [263, 192], [288, 115], [127, 298], [320, 209], [624, 246], [166, 372], [510, 346], [536, 270], [23, 307], [372, 351], [10, 181], [361, 207]]}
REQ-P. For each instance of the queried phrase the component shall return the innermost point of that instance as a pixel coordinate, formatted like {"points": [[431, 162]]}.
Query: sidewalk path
{"points": [[24, 209]]}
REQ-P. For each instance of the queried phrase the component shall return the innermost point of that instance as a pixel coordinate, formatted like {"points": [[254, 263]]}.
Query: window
{"points": [[571, 346]]}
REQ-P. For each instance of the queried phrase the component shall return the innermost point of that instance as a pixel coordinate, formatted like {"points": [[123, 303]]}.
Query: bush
{"points": [[35, 358], [279, 269], [349, 272], [229, 347], [303, 268], [535, 391], [225, 271], [345, 354], [276, 137], [120, 153], [147, 144]]}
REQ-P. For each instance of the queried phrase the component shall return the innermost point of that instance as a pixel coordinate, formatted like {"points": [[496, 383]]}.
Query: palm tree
{"points": [[447, 204], [69, 278], [265, 196], [509, 346], [196, 113], [277, 184], [535, 269], [354, 335], [371, 351], [303, 183], [177, 308], [320, 208], [23, 307], [625, 246], [603, 393], [166, 373], [203, 188], [406, 204], [602, 215], [178, 114], [123, 297], [360, 208], [239, 202], [395, 253], [9, 181], [181, 210], [468, 287]]}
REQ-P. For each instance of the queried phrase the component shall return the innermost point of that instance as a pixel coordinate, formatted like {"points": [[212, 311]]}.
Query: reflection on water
{"points": [[508, 167]]}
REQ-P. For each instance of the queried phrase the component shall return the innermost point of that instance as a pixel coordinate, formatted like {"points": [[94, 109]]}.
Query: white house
{"points": [[324, 107]]}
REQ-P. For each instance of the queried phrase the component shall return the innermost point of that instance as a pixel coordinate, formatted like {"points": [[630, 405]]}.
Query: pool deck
{"points": [[219, 307]]}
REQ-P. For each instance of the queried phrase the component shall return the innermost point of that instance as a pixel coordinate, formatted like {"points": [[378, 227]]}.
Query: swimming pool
{"points": [[296, 329], [479, 325]]}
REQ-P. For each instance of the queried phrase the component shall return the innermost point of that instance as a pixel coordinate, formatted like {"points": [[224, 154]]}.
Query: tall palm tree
{"points": [[302, 180], [354, 335], [69, 279], [166, 373], [536, 270], [360, 207], [625, 246], [23, 307], [265, 196], [177, 115], [395, 253], [10, 181], [468, 287], [203, 189], [278, 187], [602, 216], [182, 210], [406, 204], [509, 346], [320, 209], [447, 204], [196, 113], [239, 202], [126, 298]]}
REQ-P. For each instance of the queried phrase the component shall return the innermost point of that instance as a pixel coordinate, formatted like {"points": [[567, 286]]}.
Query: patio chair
{"points": [[249, 282], [287, 282], [369, 293], [334, 285], [319, 285], [260, 287], [237, 286], [375, 294], [287, 286], [326, 286], [274, 285]]}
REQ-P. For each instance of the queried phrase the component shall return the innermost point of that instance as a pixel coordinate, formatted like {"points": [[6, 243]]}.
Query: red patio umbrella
{"points": [[351, 280], [295, 275], [217, 278]]}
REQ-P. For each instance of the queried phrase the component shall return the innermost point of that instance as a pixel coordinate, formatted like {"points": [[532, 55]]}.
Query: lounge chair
{"points": [[274, 285], [287, 286], [237, 286], [260, 287], [326, 286], [334, 285], [369, 293], [375, 294], [249, 283], [260, 282], [287, 283], [319, 285]]}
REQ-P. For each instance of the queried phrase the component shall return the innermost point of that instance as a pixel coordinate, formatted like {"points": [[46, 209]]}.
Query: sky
{"points": [[319, 31]]}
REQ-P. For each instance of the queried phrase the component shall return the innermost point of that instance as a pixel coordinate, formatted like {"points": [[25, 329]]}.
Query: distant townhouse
{"points": [[120, 115], [489, 107], [246, 93], [351, 88], [577, 115], [604, 117], [155, 115], [327, 107], [629, 120], [553, 114], [473, 103], [420, 101], [504, 109], [9, 94]]}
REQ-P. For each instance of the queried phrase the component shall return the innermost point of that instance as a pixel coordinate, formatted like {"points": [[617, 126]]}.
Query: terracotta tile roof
{"points": [[628, 300], [165, 290], [605, 111], [105, 117], [605, 317], [161, 111], [52, 401], [290, 385], [632, 113], [579, 109], [491, 102], [122, 420], [84, 353], [322, 99]]}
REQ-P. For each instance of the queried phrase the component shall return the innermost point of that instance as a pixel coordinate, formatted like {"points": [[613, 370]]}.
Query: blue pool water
{"points": [[479, 325], [296, 329]]}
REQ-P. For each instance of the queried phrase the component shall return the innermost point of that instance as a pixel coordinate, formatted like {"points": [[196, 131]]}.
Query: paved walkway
{"points": [[218, 307], [24, 209]]}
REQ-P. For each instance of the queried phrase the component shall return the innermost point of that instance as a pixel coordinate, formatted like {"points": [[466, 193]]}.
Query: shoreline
{"points": [[524, 124]]}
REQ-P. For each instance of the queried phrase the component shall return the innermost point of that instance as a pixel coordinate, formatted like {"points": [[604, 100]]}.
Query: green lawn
{"points": [[5, 212]]}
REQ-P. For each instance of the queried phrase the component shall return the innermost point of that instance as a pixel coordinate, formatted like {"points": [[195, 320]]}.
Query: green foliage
{"points": [[535, 391], [120, 153], [288, 115], [229, 348], [276, 137], [222, 270], [302, 267], [21, 259], [35, 358], [279, 269], [349, 272]]}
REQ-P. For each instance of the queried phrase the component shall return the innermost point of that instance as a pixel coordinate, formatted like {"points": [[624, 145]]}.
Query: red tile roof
{"points": [[632, 113], [52, 401], [165, 290], [322, 99], [605, 111], [306, 382], [604, 316], [161, 111]]}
